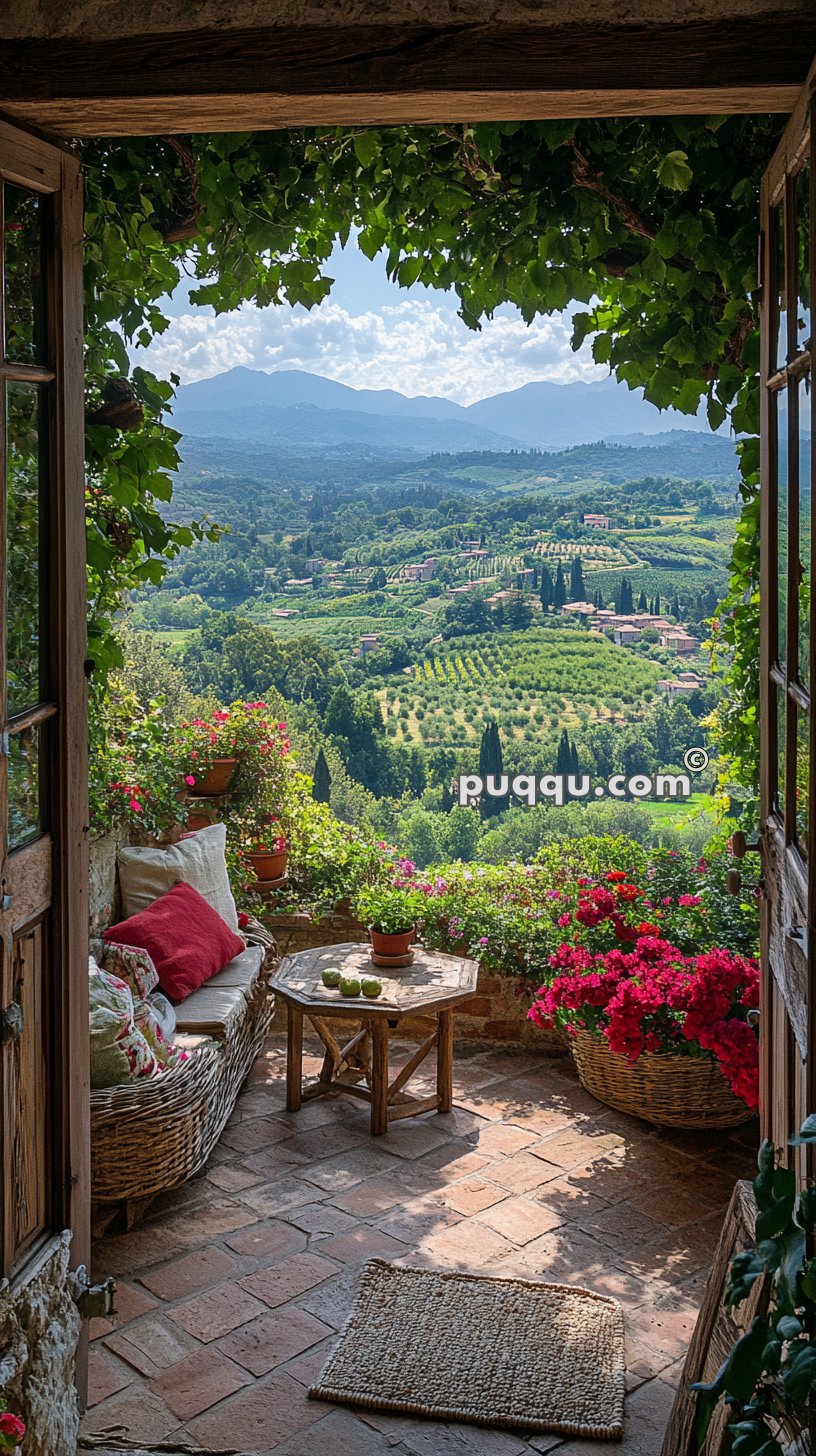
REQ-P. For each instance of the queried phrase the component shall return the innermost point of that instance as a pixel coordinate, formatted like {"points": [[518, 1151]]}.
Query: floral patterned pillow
{"points": [[133, 965], [120, 1052], [146, 1019]]}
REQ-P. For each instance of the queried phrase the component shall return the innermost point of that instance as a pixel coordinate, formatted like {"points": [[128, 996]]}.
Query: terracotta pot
{"points": [[267, 864], [216, 779], [198, 821], [390, 945]]}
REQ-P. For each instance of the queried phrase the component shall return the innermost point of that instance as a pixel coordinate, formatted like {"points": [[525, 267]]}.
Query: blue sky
{"points": [[372, 334]]}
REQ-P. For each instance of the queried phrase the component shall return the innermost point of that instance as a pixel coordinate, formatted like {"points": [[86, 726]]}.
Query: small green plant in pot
{"points": [[768, 1381], [390, 914]]}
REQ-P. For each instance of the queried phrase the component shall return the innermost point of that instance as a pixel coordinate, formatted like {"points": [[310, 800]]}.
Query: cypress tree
{"points": [[577, 584], [563, 758], [560, 591], [546, 592], [675, 606], [657, 604], [643, 605], [321, 779], [491, 763], [623, 601]]}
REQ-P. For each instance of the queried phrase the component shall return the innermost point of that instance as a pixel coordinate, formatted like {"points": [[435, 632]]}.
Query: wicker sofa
{"points": [[149, 1137]]}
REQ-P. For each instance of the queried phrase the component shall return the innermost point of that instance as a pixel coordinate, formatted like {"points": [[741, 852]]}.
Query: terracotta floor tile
{"points": [[197, 1383], [211, 1221], [137, 1410], [259, 1418], [285, 1281], [469, 1245], [307, 1367], [521, 1172], [232, 1177], [417, 1220], [130, 1302], [255, 1134], [150, 1344], [340, 1431], [320, 1219], [504, 1139], [191, 1273], [623, 1227], [273, 1338], [520, 1219], [571, 1149], [414, 1137], [360, 1244], [328, 1141], [345, 1169], [271, 1240], [276, 1196], [281, 1158], [370, 1197], [105, 1376], [216, 1313], [331, 1301], [669, 1206], [451, 1162], [470, 1196]]}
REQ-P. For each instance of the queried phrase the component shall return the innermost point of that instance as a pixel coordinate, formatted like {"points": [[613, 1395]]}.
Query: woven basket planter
{"points": [[668, 1091], [153, 1135]]}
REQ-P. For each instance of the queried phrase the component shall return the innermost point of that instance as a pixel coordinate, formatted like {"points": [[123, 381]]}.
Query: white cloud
{"points": [[416, 345]]}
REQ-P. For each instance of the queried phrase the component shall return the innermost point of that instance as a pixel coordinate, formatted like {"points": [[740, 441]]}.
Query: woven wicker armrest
{"points": [[152, 1135]]}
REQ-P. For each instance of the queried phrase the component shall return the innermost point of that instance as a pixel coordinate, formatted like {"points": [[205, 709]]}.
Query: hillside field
{"points": [[534, 683]]}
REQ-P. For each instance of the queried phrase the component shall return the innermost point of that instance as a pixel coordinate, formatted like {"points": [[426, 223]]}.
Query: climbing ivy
{"points": [[649, 224]]}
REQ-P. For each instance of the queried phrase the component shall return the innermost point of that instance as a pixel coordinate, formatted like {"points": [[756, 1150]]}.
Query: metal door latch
{"points": [[94, 1301], [12, 1022]]}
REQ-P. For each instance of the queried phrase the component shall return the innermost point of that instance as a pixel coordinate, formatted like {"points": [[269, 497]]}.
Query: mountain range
{"points": [[295, 412]]}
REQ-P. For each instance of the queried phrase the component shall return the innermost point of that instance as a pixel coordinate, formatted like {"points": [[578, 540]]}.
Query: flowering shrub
{"points": [[652, 998], [135, 769], [12, 1428]]}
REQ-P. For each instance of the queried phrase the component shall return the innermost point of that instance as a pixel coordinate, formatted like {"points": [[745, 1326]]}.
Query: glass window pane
{"points": [[803, 264], [24, 811], [779, 347], [804, 529], [23, 536], [22, 245], [802, 769], [781, 400]]}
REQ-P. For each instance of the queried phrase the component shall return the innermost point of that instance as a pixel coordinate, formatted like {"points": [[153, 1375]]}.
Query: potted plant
{"points": [[390, 913], [267, 857], [241, 735], [656, 1033]]}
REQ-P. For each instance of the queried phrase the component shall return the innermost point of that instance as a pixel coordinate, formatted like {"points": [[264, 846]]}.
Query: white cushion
{"points": [[146, 874]]}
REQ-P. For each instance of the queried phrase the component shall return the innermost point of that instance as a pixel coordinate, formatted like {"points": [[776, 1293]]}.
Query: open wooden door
{"points": [[787, 252], [44, 1100], [787, 662]]}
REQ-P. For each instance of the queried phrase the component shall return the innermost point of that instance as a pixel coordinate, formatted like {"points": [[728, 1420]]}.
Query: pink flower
{"points": [[189, 779], [11, 1429], [136, 806]]}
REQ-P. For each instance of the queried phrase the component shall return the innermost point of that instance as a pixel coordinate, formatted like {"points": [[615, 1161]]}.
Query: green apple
{"points": [[349, 986], [331, 976], [372, 987]]}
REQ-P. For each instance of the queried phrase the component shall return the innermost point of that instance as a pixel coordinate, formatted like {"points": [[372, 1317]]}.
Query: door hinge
{"points": [[94, 1301], [799, 935]]}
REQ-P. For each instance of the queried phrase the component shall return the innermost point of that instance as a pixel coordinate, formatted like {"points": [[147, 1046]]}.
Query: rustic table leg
{"points": [[379, 1077], [294, 1058], [444, 1061]]}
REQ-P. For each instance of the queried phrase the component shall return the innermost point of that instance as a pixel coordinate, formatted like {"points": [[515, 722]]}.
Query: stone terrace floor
{"points": [[232, 1293]]}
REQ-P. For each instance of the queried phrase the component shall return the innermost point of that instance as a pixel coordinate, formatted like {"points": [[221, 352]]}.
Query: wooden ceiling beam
{"points": [[201, 80]]}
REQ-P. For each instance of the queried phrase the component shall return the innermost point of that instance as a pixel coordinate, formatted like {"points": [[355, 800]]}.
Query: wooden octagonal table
{"points": [[430, 988]]}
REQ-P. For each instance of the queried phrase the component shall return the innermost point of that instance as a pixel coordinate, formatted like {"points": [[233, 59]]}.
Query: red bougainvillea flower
{"points": [[618, 876], [654, 999], [12, 1430]]}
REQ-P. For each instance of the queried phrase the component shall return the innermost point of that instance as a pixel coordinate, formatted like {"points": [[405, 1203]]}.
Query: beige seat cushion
{"points": [[146, 874], [218, 1006]]}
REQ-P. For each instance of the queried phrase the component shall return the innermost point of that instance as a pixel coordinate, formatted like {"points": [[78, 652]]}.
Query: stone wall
{"points": [[39, 1329], [495, 1014]]}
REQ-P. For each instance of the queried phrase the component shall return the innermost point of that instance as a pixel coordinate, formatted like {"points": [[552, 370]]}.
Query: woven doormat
{"points": [[497, 1352]]}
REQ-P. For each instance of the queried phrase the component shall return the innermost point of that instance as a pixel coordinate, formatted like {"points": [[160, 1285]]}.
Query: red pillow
{"points": [[185, 938]]}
